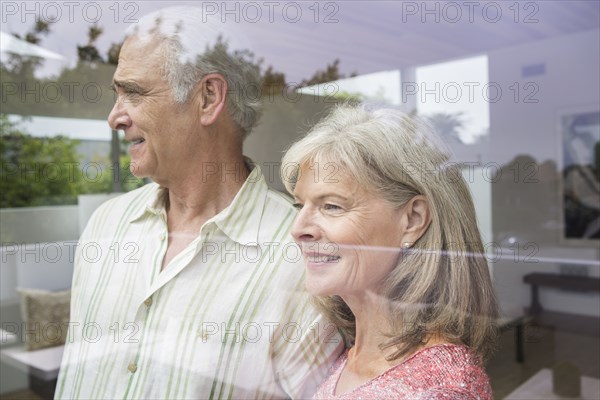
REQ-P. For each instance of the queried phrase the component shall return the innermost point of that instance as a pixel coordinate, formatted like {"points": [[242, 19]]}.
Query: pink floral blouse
{"points": [[445, 371]]}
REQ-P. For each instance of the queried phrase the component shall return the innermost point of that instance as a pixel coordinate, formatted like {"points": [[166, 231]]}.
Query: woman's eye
{"points": [[297, 206]]}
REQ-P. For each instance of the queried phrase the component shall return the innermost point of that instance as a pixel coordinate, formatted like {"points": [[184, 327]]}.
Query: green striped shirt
{"points": [[227, 319]]}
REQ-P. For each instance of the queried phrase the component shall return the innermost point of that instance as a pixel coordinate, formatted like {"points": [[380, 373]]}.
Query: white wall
{"points": [[46, 266], [571, 79], [38, 224], [285, 120], [38, 244], [481, 191], [526, 211]]}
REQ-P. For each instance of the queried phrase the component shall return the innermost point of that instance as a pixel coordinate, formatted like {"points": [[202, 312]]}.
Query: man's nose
{"points": [[119, 119], [305, 228]]}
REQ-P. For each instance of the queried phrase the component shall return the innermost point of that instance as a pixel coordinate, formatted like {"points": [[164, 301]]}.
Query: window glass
{"points": [[511, 87]]}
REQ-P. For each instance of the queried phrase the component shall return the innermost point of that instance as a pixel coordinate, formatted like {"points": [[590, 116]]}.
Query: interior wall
{"points": [[525, 141], [285, 120], [39, 224]]}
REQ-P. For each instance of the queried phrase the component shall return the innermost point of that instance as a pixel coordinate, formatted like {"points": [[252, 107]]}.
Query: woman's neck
{"points": [[371, 314], [367, 357]]}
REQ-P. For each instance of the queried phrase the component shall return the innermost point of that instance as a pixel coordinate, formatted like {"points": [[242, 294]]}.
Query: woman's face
{"points": [[350, 237]]}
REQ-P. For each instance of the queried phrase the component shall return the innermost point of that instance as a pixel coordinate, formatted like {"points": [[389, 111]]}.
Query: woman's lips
{"points": [[320, 260]]}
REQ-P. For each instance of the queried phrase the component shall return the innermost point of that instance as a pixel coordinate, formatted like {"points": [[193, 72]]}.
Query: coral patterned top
{"points": [[444, 371]]}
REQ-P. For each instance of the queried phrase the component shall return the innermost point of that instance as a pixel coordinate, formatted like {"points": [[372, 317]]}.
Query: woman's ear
{"points": [[211, 98], [417, 218]]}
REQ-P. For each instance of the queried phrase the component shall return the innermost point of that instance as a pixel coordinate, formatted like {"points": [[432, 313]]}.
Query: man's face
{"points": [[159, 130]]}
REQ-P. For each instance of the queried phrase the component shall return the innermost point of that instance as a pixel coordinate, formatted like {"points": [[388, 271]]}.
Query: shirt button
{"points": [[148, 302], [132, 368]]}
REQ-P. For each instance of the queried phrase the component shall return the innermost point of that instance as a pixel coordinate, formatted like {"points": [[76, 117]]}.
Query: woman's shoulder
{"points": [[326, 389], [441, 371], [447, 354], [447, 371]]}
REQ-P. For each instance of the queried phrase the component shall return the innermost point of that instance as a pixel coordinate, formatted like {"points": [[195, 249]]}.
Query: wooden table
{"points": [[539, 387], [515, 317], [42, 366], [566, 282]]}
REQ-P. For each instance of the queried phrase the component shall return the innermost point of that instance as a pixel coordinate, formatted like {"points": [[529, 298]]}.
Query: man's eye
{"points": [[132, 97], [128, 96], [331, 207]]}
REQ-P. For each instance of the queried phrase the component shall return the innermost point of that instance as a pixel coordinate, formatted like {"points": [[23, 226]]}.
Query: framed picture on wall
{"points": [[579, 169]]}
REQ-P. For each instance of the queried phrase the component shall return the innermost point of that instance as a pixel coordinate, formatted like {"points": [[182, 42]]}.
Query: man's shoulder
{"points": [[275, 233], [278, 215], [135, 198], [281, 200], [124, 205]]}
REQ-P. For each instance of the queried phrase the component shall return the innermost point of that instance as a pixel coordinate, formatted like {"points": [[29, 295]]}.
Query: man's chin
{"points": [[137, 171]]}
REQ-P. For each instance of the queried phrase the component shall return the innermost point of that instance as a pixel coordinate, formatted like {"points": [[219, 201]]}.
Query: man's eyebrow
{"points": [[127, 86]]}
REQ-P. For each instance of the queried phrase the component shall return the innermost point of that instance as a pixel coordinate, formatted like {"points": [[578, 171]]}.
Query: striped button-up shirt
{"points": [[227, 318]]}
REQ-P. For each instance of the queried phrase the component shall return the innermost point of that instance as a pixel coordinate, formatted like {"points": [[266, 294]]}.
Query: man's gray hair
{"points": [[194, 46]]}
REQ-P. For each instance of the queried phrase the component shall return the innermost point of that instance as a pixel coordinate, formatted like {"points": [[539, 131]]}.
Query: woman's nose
{"points": [[305, 228]]}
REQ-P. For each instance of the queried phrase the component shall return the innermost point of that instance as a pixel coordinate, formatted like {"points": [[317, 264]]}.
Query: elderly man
{"points": [[190, 287]]}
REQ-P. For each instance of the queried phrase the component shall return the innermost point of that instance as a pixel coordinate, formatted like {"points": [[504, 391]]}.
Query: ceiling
{"points": [[381, 35], [367, 36]]}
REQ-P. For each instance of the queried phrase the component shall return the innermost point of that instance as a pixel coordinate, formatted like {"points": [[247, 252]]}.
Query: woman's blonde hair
{"points": [[441, 285]]}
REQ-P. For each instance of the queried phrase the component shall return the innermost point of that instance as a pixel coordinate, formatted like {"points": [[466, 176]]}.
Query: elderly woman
{"points": [[393, 256]]}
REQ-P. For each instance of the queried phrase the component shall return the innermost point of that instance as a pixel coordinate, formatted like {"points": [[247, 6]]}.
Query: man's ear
{"points": [[417, 217], [211, 98]]}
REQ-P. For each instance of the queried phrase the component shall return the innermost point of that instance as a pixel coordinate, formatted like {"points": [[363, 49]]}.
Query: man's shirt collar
{"points": [[240, 221]]}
